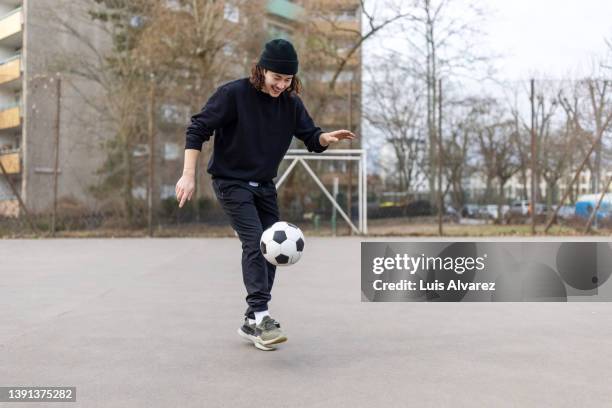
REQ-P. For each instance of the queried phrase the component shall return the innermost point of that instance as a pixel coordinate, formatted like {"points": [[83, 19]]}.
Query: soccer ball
{"points": [[282, 244]]}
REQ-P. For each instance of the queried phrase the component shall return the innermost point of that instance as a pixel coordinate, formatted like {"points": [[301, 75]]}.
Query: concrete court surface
{"points": [[152, 323]]}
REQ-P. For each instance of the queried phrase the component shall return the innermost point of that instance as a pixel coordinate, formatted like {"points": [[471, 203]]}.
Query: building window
{"points": [[344, 76], [277, 31], [175, 114], [136, 21], [231, 13], [347, 15], [228, 50], [139, 192], [140, 150], [171, 151], [344, 45], [167, 191], [175, 5]]}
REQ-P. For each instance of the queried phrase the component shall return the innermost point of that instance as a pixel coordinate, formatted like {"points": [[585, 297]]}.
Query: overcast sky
{"points": [[549, 38], [555, 37]]}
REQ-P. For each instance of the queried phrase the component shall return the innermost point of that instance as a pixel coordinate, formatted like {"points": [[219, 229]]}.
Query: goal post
{"points": [[302, 157]]}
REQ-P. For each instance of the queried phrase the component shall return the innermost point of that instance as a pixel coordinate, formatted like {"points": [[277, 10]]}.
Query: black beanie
{"points": [[279, 56]]}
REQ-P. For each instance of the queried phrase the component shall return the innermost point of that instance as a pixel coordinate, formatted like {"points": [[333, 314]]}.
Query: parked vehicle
{"points": [[419, 207], [521, 207], [585, 204], [470, 211], [565, 212], [492, 210], [450, 210], [487, 211]]}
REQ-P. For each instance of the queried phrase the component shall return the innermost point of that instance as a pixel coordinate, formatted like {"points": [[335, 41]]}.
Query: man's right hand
{"points": [[185, 188]]}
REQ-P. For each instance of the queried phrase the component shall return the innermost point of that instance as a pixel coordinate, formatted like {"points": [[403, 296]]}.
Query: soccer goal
{"points": [[303, 156]]}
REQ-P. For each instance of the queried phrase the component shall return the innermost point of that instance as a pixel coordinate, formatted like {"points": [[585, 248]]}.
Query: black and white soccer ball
{"points": [[282, 244]]}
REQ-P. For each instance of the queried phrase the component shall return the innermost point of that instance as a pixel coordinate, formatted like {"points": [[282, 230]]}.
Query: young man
{"points": [[254, 120]]}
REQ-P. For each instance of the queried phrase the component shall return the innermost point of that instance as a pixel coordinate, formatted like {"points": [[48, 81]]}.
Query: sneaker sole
{"points": [[279, 339], [252, 339]]}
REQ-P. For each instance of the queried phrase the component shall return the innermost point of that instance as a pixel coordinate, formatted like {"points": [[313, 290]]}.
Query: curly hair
{"points": [[258, 80]]}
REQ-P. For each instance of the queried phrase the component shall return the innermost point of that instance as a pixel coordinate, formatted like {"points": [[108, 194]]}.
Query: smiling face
{"points": [[275, 83]]}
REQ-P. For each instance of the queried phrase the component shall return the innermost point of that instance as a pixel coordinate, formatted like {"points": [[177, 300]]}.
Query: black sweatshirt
{"points": [[253, 131]]}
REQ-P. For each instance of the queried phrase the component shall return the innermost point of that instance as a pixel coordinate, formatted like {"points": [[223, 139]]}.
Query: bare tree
{"points": [[599, 96], [577, 118], [118, 73], [455, 155], [546, 105], [496, 140], [331, 43], [395, 111], [193, 47], [559, 152], [181, 48], [443, 39], [463, 116]]}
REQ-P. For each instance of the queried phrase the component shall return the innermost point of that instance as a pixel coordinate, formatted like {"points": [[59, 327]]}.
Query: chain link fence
{"points": [[486, 147]]}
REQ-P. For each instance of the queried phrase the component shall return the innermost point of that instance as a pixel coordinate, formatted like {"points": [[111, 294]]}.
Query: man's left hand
{"points": [[325, 139]]}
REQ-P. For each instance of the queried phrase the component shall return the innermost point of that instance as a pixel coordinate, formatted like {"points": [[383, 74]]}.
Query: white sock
{"points": [[251, 321], [260, 315]]}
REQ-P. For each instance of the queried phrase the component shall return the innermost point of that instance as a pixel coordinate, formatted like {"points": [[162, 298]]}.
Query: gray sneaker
{"points": [[269, 332], [247, 332]]}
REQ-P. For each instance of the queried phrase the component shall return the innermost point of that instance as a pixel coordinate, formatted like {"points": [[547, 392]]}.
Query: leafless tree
{"points": [[560, 145], [442, 34], [180, 48], [601, 113], [331, 43], [546, 105], [496, 140], [458, 146], [394, 108]]}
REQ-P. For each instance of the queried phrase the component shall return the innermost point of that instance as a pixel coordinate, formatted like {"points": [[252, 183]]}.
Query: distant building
{"points": [[28, 111], [284, 19], [29, 103]]}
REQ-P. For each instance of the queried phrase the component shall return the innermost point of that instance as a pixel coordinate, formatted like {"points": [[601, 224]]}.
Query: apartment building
{"points": [[332, 21], [37, 105], [37, 116], [11, 28], [280, 19]]}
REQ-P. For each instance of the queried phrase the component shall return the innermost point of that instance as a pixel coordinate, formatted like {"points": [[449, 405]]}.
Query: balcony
{"points": [[9, 207], [10, 28], [320, 83], [10, 117], [334, 119], [10, 161], [342, 89], [338, 26], [10, 69], [284, 9]]}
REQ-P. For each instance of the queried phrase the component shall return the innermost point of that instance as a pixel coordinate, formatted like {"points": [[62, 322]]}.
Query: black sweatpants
{"points": [[251, 210]]}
